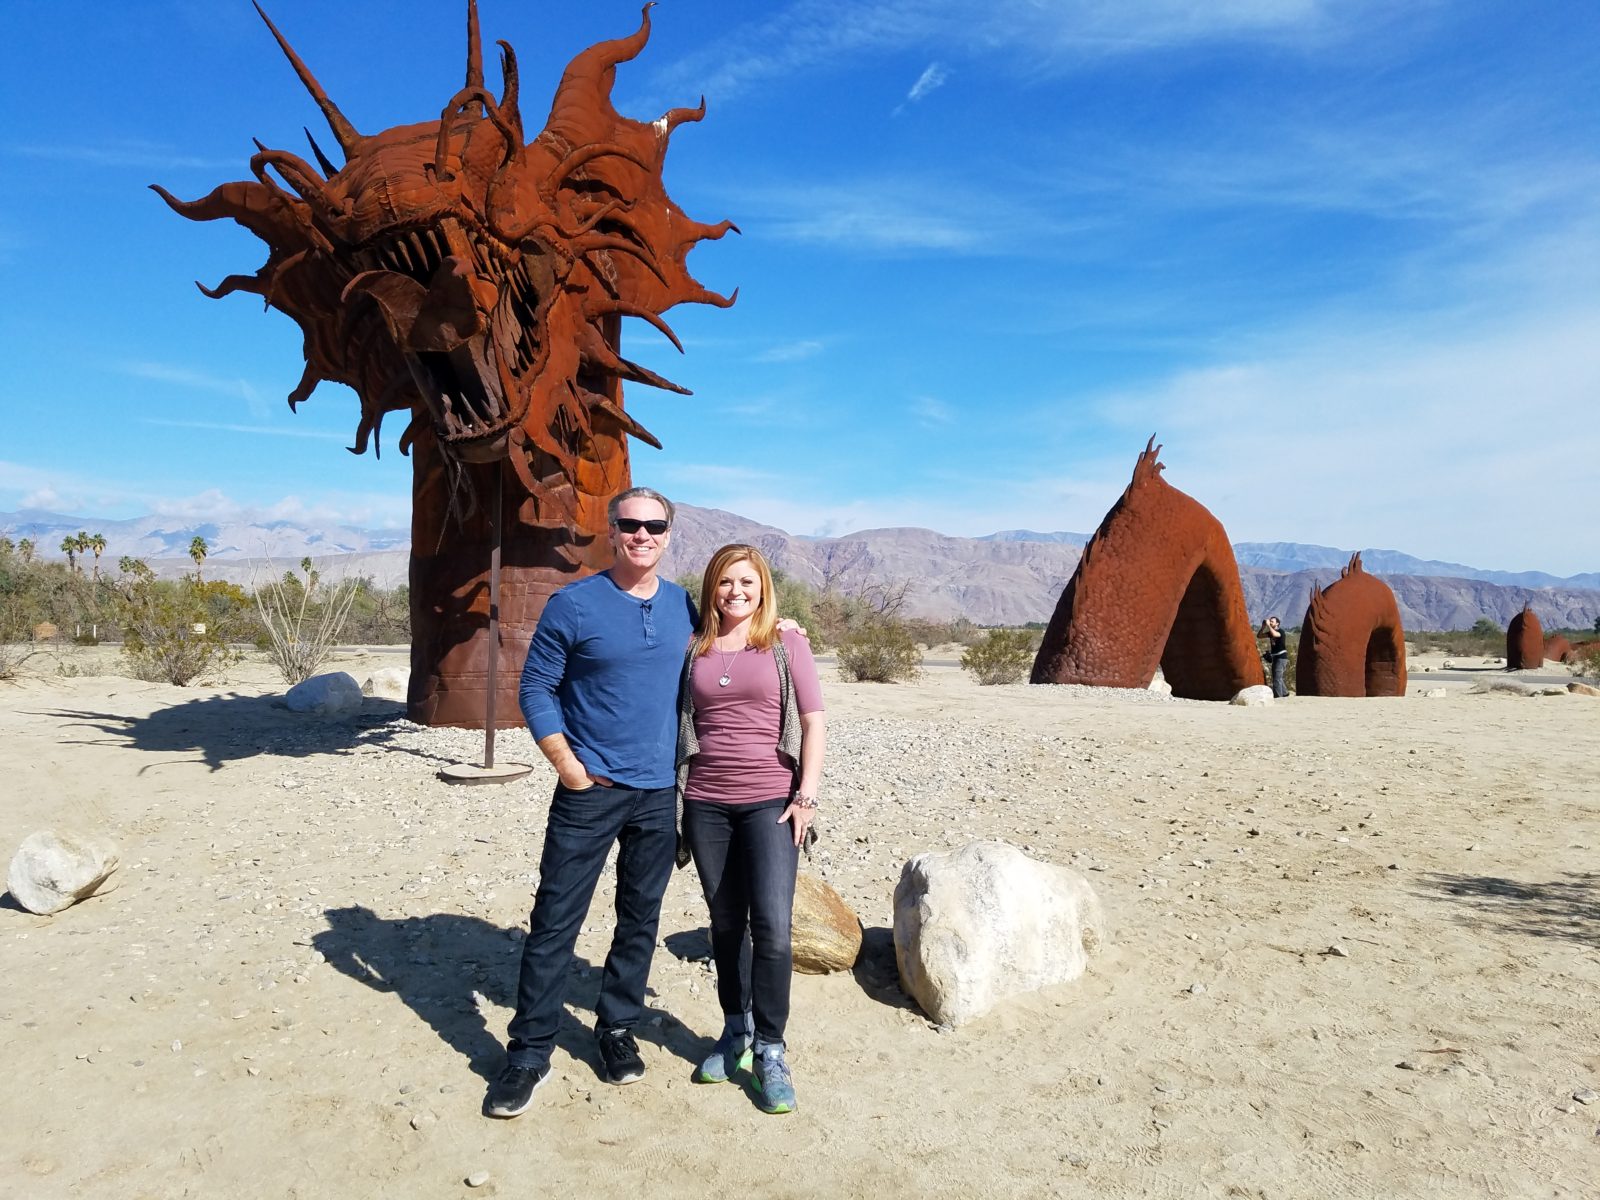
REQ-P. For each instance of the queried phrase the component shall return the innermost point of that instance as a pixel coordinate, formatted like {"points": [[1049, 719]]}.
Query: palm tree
{"points": [[6, 547], [197, 551], [69, 547], [25, 550], [97, 543]]}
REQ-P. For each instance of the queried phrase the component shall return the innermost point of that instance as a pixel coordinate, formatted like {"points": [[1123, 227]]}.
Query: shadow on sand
{"points": [[223, 729], [435, 964], [875, 970], [1567, 907]]}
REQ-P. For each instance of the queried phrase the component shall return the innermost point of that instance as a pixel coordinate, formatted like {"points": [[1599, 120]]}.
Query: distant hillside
{"points": [[1295, 556], [1004, 579], [152, 538]]}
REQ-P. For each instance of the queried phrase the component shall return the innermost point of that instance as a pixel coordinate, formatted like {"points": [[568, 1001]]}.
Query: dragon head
{"points": [[476, 279]]}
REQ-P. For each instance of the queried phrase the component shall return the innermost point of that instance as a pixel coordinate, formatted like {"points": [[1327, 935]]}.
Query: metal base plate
{"points": [[472, 773]]}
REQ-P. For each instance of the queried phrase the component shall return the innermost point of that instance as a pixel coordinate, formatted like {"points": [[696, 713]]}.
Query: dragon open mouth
{"points": [[466, 318]]}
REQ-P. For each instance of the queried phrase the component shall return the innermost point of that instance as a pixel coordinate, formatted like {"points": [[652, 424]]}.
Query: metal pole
{"points": [[494, 622]]}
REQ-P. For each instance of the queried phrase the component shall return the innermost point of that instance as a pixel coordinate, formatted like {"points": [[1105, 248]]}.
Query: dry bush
{"points": [[880, 650], [303, 626], [1003, 656]]}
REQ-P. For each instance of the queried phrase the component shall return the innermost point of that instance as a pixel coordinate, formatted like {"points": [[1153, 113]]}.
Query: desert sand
{"points": [[300, 984]]}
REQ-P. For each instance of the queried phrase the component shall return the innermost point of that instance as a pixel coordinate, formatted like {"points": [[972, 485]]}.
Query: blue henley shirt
{"points": [[603, 670]]}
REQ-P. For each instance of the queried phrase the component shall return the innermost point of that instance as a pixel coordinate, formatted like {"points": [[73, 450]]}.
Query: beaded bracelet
{"points": [[801, 800]]}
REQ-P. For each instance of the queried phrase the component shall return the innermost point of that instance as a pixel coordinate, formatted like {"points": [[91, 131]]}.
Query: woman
{"points": [[1277, 654], [751, 737]]}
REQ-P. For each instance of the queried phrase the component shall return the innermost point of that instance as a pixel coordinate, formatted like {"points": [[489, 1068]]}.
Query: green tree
{"points": [[97, 543], [25, 550], [1484, 627], [7, 547], [197, 551], [69, 547]]}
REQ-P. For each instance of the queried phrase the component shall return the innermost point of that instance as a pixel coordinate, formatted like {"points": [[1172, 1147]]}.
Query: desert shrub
{"points": [[1484, 640], [1589, 661], [303, 620], [173, 631], [879, 651], [1003, 656]]}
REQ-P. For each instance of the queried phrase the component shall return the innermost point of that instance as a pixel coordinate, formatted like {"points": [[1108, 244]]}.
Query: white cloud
{"points": [[204, 381], [931, 413], [254, 430], [932, 79], [64, 492], [904, 215], [788, 352], [1472, 446], [1040, 35], [152, 156]]}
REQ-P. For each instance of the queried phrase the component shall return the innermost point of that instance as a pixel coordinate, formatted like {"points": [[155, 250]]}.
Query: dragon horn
{"points": [[342, 129], [509, 104], [594, 71], [474, 47]]}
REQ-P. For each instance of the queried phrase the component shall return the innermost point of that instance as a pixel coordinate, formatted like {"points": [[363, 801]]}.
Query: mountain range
{"points": [[1006, 578]]}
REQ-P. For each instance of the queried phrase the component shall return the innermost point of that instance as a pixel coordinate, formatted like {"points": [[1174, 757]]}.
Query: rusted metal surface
{"points": [[1351, 641], [1157, 586], [475, 281], [1524, 641]]}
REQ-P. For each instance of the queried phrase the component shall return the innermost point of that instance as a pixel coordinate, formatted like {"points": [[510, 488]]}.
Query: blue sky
{"points": [[1343, 258]]}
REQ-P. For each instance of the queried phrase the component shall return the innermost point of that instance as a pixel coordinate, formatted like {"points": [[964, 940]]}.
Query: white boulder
{"points": [[388, 683], [977, 925], [52, 871], [1258, 696], [330, 695]]}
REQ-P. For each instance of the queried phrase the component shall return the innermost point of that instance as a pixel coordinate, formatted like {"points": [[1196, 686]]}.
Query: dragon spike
{"points": [[474, 47], [606, 307], [509, 104], [674, 117], [309, 378], [593, 71], [234, 283], [328, 168], [348, 137]]}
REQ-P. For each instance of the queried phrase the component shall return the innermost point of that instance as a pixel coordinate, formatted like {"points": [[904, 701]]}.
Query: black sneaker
{"points": [[511, 1093], [621, 1056]]}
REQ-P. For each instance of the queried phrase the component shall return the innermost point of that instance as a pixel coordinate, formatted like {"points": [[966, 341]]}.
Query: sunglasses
{"points": [[633, 525]]}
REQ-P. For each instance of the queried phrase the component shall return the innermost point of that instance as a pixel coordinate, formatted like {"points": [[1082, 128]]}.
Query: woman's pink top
{"points": [[737, 725]]}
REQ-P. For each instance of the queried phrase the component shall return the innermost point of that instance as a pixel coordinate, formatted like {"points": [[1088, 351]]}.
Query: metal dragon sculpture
{"points": [[476, 281]]}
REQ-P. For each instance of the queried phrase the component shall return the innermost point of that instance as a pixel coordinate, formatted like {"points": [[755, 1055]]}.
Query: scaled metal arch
{"points": [[1351, 641], [1524, 641], [1157, 586], [476, 282]]}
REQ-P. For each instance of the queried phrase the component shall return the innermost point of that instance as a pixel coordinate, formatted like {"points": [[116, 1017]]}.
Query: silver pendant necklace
{"points": [[727, 667]]}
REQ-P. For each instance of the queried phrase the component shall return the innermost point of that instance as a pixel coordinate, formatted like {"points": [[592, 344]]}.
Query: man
{"points": [[599, 694], [1277, 654]]}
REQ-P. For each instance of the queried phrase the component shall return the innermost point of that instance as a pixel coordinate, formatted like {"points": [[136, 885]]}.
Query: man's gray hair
{"points": [[640, 493]]}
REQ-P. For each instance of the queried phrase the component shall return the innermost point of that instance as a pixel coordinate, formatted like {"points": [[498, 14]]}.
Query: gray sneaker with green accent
{"points": [[731, 1053], [773, 1081]]}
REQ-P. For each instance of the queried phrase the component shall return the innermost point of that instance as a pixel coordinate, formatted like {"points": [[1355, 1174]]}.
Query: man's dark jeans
{"points": [[1280, 673], [577, 837], [747, 862]]}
